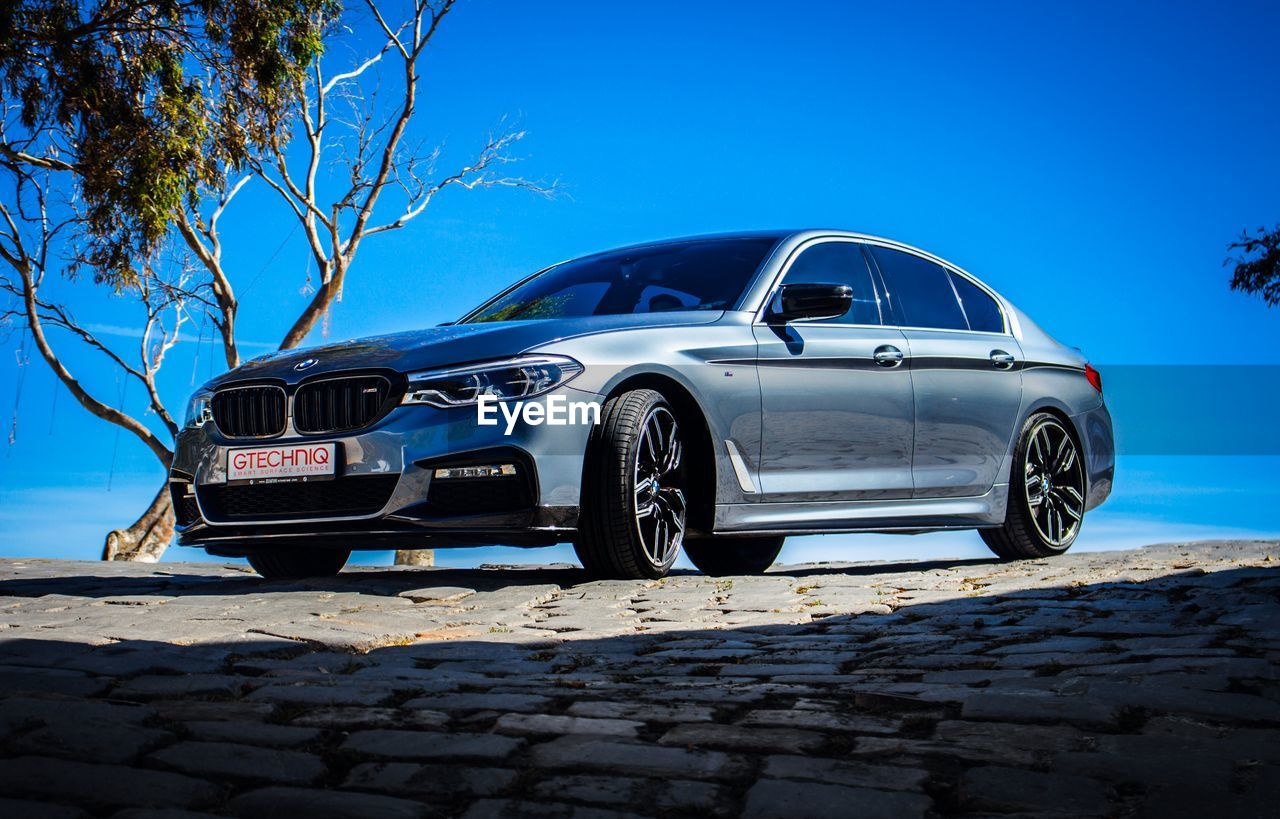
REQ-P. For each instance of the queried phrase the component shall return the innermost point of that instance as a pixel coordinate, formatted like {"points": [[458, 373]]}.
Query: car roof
{"points": [[791, 238], [775, 234]]}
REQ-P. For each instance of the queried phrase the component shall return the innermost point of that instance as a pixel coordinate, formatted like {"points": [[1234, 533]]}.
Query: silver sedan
{"points": [[712, 394]]}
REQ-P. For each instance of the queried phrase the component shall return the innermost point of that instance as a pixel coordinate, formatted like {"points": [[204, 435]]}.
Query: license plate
{"points": [[279, 464]]}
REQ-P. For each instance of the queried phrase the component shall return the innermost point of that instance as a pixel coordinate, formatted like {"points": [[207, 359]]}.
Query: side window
{"points": [[919, 290], [839, 263], [981, 310]]}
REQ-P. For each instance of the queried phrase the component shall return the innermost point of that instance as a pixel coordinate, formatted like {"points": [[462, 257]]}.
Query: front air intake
{"points": [[347, 496], [185, 509]]}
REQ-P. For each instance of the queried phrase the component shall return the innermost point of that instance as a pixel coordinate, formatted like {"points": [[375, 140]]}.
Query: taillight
{"points": [[1095, 377]]}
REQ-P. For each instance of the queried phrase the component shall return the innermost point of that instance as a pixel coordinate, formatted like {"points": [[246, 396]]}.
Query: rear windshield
{"points": [[701, 274]]}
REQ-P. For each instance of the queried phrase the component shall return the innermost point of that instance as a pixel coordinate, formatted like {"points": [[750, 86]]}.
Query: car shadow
{"points": [[180, 580]]}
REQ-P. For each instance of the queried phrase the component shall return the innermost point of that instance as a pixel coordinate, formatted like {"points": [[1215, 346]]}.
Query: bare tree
{"points": [[353, 128], [338, 153], [31, 231], [113, 115], [343, 123]]}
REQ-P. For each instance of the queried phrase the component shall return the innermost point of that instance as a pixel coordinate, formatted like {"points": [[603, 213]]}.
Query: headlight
{"points": [[199, 409], [521, 377]]}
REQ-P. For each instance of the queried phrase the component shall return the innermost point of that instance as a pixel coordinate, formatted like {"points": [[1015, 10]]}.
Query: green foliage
{"points": [[1257, 269], [543, 307], [150, 101]]}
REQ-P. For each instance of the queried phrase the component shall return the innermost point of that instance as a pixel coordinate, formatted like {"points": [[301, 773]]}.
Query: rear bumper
{"points": [[385, 482], [1098, 441]]}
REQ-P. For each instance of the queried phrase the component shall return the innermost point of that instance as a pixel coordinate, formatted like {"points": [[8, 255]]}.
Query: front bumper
{"points": [[398, 455]]}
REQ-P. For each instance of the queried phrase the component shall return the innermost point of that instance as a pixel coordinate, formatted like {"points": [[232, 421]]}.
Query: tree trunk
{"points": [[149, 535], [416, 557]]}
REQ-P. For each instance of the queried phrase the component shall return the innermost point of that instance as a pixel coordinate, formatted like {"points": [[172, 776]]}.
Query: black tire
{"points": [[617, 537], [1044, 516], [720, 556], [294, 564]]}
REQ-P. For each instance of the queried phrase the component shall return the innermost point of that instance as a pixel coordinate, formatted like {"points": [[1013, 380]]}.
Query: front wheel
{"points": [[722, 556], [633, 503], [1046, 493], [290, 564]]}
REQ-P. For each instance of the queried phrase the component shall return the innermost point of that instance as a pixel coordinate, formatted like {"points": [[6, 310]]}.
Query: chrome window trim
{"points": [[876, 241], [1005, 334]]}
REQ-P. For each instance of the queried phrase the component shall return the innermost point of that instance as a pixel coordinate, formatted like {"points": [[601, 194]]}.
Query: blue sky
{"points": [[1090, 161]]}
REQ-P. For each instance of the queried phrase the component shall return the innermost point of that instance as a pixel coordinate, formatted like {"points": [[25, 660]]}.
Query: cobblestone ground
{"points": [[1127, 683]]}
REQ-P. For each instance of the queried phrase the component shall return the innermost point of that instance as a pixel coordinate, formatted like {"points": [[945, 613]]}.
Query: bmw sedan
{"points": [[711, 395]]}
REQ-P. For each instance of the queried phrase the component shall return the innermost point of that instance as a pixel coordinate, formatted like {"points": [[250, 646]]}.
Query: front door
{"points": [[837, 422]]}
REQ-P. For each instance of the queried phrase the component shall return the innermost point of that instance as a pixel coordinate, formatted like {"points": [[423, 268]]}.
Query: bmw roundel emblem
{"points": [[302, 365]]}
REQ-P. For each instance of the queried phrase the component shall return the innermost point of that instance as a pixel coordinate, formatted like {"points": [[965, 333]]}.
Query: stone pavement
{"points": [[1126, 683]]}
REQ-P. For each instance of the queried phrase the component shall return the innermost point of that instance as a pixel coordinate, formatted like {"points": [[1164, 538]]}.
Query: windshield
{"points": [[703, 274]]}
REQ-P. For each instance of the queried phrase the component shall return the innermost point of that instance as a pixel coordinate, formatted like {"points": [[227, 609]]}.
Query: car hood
{"points": [[444, 346]]}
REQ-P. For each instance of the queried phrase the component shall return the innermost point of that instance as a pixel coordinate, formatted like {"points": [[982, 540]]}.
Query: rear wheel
{"points": [[1046, 493], [290, 564], [722, 556], [633, 503]]}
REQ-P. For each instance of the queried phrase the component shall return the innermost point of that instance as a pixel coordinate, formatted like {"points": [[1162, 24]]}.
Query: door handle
{"points": [[1002, 360], [887, 356]]}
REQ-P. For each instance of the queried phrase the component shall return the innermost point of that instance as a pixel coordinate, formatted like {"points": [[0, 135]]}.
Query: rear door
{"points": [[966, 373], [836, 424]]}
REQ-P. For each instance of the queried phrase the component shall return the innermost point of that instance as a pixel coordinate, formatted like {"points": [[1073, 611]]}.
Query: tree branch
{"points": [[48, 163], [210, 256], [107, 413]]}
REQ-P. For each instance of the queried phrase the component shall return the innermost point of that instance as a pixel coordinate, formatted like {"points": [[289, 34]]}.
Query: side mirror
{"points": [[810, 301]]}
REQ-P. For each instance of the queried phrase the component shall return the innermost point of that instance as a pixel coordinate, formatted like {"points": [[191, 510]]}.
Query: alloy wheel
{"points": [[659, 502], [1054, 483]]}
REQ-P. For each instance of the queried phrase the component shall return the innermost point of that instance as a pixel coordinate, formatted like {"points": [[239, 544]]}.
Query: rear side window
{"points": [[839, 263], [980, 309], [919, 290]]}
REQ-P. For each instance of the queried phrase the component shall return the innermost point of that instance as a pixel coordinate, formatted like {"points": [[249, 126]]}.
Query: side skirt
{"points": [[827, 517]]}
